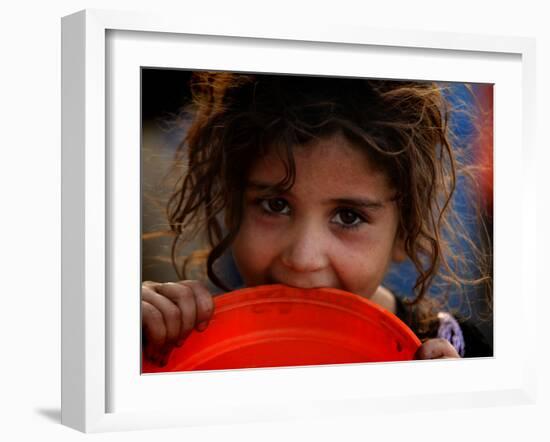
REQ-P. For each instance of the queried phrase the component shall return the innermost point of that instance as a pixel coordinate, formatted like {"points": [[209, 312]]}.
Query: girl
{"points": [[315, 182]]}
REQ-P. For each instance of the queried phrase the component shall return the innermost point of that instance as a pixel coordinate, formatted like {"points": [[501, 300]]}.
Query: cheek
{"points": [[251, 252], [355, 269], [361, 265]]}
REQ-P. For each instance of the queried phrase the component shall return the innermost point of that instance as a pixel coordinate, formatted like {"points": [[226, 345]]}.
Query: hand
{"points": [[169, 312], [436, 349]]}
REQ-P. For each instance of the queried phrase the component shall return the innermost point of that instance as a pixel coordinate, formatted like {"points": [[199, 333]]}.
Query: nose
{"points": [[306, 250]]}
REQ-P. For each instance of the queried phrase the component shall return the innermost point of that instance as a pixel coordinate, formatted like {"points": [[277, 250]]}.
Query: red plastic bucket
{"points": [[276, 326]]}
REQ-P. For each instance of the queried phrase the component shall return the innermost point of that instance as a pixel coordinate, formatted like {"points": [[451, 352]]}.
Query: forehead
{"points": [[333, 163]]}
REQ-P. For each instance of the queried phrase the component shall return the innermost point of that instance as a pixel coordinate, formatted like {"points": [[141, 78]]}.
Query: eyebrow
{"points": [[259, 185], [361, 203], [358, 202]]}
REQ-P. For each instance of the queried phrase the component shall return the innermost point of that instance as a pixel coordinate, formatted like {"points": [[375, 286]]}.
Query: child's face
{"points": [[336, 227]]}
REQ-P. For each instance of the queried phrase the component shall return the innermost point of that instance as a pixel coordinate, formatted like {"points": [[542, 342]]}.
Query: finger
{"points": [[154, 332], [183, 297], [170, 313], [204, 302], [436, 349]]}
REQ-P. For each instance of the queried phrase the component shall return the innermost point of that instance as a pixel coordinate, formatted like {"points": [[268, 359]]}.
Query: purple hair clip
{"points": [[450, 330]]}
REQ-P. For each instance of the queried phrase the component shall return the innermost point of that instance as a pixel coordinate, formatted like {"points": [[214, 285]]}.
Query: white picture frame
{"points": [[91, 369]]}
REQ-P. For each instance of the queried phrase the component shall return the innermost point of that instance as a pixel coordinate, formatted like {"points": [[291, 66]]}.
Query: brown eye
{"points": [[348, 218], [276, 206]]}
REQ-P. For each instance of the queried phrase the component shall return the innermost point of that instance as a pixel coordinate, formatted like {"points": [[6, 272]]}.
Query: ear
{"points": [[398, 251]]}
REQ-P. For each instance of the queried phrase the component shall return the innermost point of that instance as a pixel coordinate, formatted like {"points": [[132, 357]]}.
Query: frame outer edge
{"points": [[83, 198], [73, 80], [339, 33], [95, 229], [83, 372], [529, 210]]}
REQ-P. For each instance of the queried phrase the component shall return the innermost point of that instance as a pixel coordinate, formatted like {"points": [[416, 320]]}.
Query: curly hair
{"points": [[402, 126]]}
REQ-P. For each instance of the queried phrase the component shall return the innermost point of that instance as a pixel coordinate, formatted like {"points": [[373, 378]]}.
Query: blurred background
{"points": [[164, 94]]}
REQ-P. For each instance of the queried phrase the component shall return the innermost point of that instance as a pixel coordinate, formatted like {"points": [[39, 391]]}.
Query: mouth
{"points": [[299, 283]]}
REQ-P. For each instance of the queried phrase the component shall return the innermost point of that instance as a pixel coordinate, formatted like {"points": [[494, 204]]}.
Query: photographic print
{"points": [[292, 220]]}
